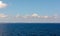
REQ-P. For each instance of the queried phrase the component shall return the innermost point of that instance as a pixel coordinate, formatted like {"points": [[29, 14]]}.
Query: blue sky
{"points": [[23, 7], [44, 8]]}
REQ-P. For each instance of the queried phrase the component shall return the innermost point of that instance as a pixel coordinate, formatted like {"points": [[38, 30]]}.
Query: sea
{"points": [[29, 29]]}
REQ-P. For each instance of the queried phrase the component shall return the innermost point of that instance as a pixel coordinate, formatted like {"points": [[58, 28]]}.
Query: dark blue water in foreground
{"points": [[30, 29]]}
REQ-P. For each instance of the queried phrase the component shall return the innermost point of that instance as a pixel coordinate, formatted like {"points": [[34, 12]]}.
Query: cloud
{"points": [[34, 14], [17, 15], [28, 18], [45, 16], [3, 16], [2, 5]]}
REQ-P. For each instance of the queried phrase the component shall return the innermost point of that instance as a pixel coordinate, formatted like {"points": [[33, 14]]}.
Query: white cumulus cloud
{"points": [[2, 5], [3, 15], [34, 14]]}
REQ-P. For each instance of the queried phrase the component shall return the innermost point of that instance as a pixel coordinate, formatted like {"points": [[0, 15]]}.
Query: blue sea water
{"points": [[30, 29]]}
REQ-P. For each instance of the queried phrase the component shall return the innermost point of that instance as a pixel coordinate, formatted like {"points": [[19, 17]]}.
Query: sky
{"points": [[44, 8]]}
